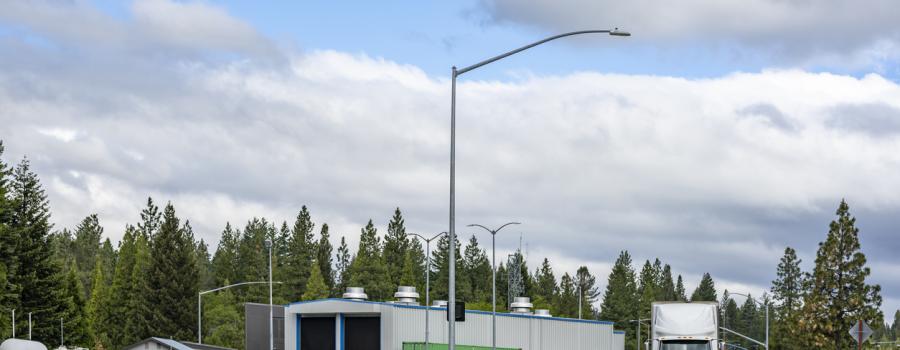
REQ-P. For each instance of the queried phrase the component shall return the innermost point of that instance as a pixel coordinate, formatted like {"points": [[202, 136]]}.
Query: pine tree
{"points": [[502, 287], [301, 253], [86, 248], [204, 266], [440, 277], [253, 261], [342, 268], [747, 320], [706, 291], [680, 292], [120, 294], [108, 257], [225, 260], [567, 303], [620, 301], [150, 219], [395, 247], [9, 294], [138, 321], [477, 268], [174, 275], [545, 283], [895, 326], [97, 308], [837, 289], [222, 321], [787, 292], [408, 276], [37, 276], [75, 324], [730, 313], [419, 260], [368, 269], [316, 288], [647, 289], [667, 285], [587, 285], [323, 257]]}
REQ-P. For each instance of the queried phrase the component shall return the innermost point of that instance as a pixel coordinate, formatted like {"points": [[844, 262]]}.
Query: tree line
{"points": [[110, 296], [807, 310]]}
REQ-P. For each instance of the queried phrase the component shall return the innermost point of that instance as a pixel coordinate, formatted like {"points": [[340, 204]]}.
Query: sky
{"points": [[720, 133]]}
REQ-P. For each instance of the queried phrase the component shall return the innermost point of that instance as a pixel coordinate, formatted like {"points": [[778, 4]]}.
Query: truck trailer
{"points": [[684, 326]]}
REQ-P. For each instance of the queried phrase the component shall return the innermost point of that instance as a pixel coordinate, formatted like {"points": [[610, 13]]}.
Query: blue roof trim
{"points": [[618, 332], [171, 343], [419, 307]]}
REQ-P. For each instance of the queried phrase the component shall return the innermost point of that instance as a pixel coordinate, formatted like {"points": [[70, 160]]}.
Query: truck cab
{"points": [[684, 326]]}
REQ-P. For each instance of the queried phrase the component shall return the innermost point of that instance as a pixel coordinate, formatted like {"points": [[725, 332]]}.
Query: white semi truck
{"points": [[684, 326]]}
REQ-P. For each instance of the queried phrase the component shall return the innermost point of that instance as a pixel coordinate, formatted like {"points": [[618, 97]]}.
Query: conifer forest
{"points": [[112, 294]]}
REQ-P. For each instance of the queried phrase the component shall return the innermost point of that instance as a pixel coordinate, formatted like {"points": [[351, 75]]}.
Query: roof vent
{"points": [[542, 313], [521, 305], [407, 295], [356, 293], [440, 303]]}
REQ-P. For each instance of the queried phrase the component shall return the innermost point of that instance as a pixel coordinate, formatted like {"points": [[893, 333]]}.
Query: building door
{"points": [[317, 333], [362, 333]]}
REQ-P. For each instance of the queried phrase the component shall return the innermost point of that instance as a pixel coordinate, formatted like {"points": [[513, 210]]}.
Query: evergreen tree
{"points": [[408, 276], [545, 283], [108, 258], [117, 307], [342, 268], [368, 269], [37, 276], [139, 311], [97, 308], [620, 301], [747, 321], [395, 247], [680, 292], [9, 294], [787, 292], [837, 289], [586, 284], [301, 253], [75, 324], [730, 314], [419, 260], [222, 321], [895, 326], [150, 219], [477, 268], [647, 289], [174, 275], [440, 277], [567, 303], [225, 260], [204, 266], [323, 257], [667, 285], [253, 261], [316, 288], [86, 248], [706, 291]]}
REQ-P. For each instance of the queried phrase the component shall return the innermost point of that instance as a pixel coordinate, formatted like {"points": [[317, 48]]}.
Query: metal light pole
{"points": [[427, 279], [451, 307], [62, 338], [14, 323], [271, 326], [767, 316], [638, 321], [29, 326], [200, 304], [580, 296], [494, 278]]}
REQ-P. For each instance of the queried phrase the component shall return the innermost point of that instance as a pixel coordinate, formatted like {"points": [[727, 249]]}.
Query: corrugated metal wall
{"points": [[401, 324], [619, 341]]}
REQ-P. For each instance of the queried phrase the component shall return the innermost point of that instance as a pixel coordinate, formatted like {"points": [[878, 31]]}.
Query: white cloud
{"points": [[694, 172], [806, 32], [64, 135]]}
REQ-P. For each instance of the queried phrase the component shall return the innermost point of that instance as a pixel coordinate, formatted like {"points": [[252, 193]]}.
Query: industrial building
{"points": [[354, 323], [169, 344]]}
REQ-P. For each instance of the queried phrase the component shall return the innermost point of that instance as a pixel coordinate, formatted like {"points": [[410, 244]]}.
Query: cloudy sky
{"points": [[717, 135]]}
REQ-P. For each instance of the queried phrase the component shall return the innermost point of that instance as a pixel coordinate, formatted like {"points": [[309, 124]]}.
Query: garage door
{"points": [[317, 333], [362, 333]]}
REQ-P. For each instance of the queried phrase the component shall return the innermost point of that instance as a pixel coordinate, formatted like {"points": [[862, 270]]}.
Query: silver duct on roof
{"points": [[440, 303], [356, 293], [542, 313], [407, 295], [521, 305]]}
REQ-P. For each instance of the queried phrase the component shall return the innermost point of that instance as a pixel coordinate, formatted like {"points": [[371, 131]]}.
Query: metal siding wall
{"points": [[618, 342]]}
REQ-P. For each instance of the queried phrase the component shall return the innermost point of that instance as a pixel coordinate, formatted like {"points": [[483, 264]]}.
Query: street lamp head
{"points": [[268, 244], [617, 32]]}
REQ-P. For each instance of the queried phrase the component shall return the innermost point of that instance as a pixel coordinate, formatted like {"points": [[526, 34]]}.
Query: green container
{"points": [[438, 346]]}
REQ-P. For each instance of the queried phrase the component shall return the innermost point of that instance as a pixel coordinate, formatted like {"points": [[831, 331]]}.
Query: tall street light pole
{"points": [[767, 314], [200, 304], [427, 279], [638, 321], [271, 326], [494, 278], [451, 307]]}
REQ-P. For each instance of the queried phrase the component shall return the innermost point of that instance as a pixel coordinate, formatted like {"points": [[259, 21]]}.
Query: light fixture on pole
{"points": [[451, 307], [200, 304], [494, 278], [14, 323], [638, 336], [271, 326], [427, 280]]}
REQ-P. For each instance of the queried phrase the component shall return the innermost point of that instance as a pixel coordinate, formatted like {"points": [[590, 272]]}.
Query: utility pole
{"points": [[29, 326]]}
